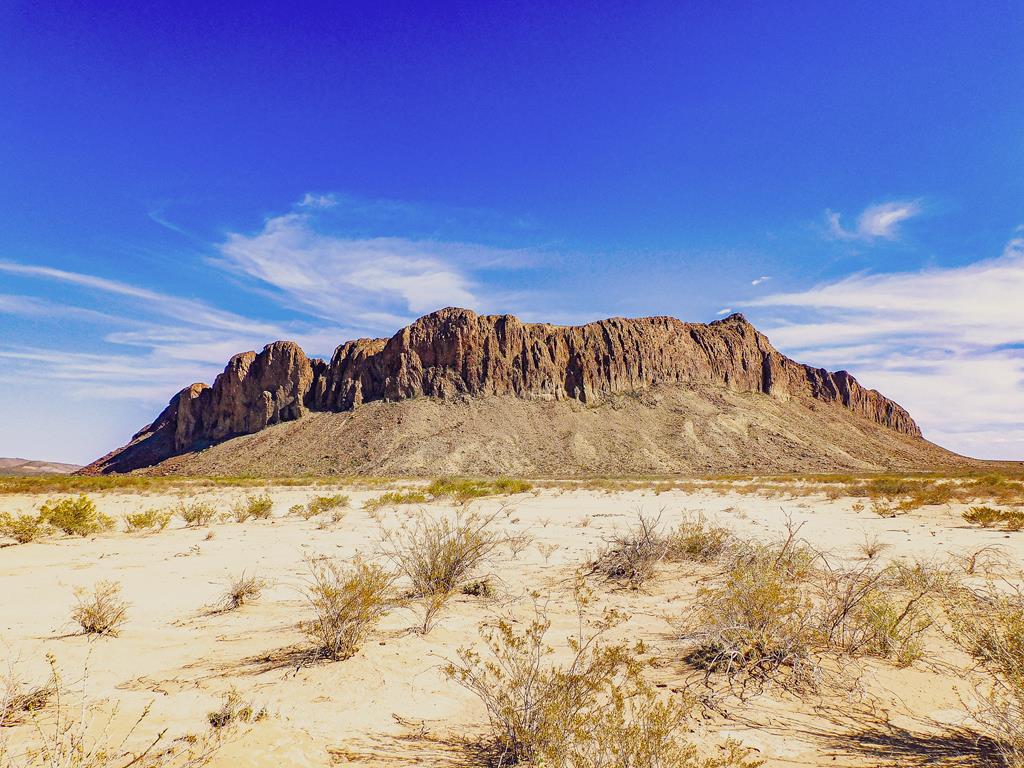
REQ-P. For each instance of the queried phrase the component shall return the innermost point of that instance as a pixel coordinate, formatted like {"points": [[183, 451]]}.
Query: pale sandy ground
{"points": [[390, 704]]}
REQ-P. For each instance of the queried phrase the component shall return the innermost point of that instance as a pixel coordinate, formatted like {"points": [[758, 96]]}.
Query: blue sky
{"points": [[181, 182]]}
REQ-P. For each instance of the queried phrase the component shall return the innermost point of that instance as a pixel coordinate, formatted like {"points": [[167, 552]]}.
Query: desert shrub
{"points": [[235, 709], [989, 517], [698, 540], [76, 516], [595, 711], [320, 504], [871, 547], [242, 589], [348, 601], [989, 624], [23, 528], [462, 489], [396, 498], [151, 519], [757, 622], [518, 542], [877, 612], [437, 555], [777, 609], [994, 487], [300, 510], [195, 514], [632, 556], [932, 494], [257, 507], [102, 611]]}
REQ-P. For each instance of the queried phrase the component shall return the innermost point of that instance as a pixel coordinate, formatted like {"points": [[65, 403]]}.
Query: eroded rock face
{"points": [[455, 353]]}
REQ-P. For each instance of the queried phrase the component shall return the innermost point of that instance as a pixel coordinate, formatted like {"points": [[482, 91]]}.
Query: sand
{"points": [[390, 704]]}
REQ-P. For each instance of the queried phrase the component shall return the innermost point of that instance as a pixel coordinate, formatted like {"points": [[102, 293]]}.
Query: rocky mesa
{"points": [[454, 354]]}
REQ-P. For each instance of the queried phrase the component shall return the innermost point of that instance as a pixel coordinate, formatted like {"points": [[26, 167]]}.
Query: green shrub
{"points": [[395, 498], [989, 517], [698, 540], [321, 504], [348, 601], [23, 528], [464, 490], [256, 507], [151, 519], [76, 516], [195, 514]]}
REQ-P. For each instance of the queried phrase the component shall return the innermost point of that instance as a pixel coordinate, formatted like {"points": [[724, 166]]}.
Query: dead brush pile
{"points": [[777, 612]]}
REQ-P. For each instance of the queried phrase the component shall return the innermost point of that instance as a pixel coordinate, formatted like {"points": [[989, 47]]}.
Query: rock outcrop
{"points": [[454, 353]]}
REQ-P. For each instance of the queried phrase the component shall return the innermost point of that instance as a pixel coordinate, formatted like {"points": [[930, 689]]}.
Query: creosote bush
{"points": [[989, 517], [150, 520], [438, 555], [594, 711], [256, 507], [698, 540], [778, 609], [195, 514], [75, 516], [462, 489], [348, 600], [101, 611], [242, 589], [320, 504], [395, 498], [23, 528]]}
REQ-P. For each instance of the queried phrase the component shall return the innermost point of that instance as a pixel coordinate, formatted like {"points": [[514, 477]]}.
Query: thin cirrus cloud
{"points": [[369, 281], [946, 343], [876, 222], [161, 342]]}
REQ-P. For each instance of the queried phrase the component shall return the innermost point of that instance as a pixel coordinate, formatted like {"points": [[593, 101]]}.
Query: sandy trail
{"points": [[390, 704]]}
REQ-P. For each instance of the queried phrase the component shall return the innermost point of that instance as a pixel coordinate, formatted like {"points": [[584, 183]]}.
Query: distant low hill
{"points": [[456, 392], [11, 466]]}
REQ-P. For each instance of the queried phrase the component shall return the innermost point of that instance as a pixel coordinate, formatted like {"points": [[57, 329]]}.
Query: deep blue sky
{"points": [[562, 161]]}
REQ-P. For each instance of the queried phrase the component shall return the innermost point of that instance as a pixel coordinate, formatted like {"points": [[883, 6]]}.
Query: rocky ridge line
{"points": [[455, 353]]}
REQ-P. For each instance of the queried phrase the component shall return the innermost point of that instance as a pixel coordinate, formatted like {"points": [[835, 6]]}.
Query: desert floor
{"points": [[391, 704]]}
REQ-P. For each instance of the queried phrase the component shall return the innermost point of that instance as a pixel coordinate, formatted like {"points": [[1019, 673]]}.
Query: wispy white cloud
{"points": [[761, 279], [187, 311], [360, 281], [724, 311], [310, 200], [876, 222], [946, 343]]}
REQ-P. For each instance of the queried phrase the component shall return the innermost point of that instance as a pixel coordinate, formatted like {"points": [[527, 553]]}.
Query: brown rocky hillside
{"points": [[457, 392]]}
